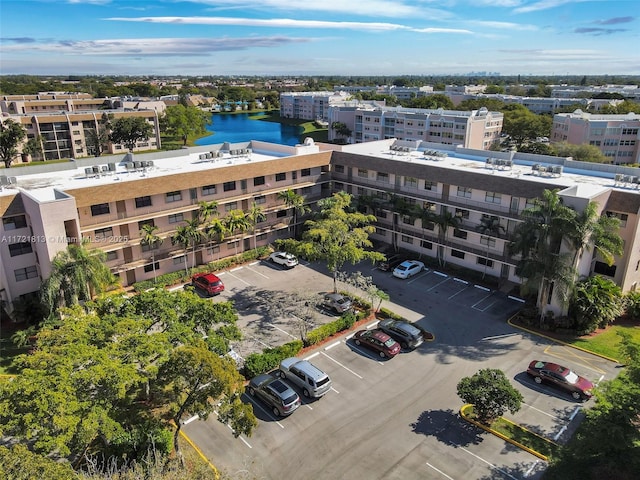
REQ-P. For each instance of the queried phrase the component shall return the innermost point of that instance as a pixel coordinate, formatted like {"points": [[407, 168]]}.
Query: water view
{"points": [[240, 128]]}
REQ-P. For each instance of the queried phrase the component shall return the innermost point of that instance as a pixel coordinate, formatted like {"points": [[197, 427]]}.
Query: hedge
{"points": [[345, 322], [269, 359]]}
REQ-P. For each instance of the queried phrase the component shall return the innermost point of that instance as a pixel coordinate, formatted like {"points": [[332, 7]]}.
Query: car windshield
{"points": [[215, 284], [403, 267], [323, 381], [571, 377], [341, 301], [389, 343], [290, 399]]}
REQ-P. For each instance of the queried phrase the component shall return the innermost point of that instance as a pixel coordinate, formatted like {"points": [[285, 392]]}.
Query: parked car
{"points": [[379, 341], [336, 302], [208, 283], [283, 258], [390, 263], [275, 393], [580, 388], [313, 381], [406, 334], [408, 268]]}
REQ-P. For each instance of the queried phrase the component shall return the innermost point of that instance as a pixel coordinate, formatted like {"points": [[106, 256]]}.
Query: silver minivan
{"points": [[313, 381]]}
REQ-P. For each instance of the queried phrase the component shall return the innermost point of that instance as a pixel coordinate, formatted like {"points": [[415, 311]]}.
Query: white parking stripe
{"points": [[482, 300], [335, 390], [542, 411], [346, 368], [286, 333], [237, 277], [459, 291], [438, 284], [528, 472], [439, 471], [259, 273], [485, 461], [366, 354], [312, 355]]}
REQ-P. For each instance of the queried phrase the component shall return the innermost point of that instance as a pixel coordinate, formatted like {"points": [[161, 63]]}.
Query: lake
{"points": [[237, 128]]}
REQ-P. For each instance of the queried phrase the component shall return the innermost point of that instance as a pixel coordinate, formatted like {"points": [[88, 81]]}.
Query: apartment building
{"points": [[310, 105], [471, 129], [42, 211], [617, 136]]}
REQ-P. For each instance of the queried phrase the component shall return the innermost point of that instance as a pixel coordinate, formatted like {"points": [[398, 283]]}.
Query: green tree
{"points": [[596, 302], [129, 130], [77, 274], [524, 126], [489, 228], [33, 147], [337, 235], [184, 121], [193, 379], [582, 153], [434, 101], [236, 222], [19, 463], [11, 134], [341, 129], [296, 201], [189, 236], [445, 220], [254, 216], [149, 238], [490, 393]]}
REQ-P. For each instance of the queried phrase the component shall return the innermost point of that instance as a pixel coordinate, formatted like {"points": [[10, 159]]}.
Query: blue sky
{"points": [[319, 37]]}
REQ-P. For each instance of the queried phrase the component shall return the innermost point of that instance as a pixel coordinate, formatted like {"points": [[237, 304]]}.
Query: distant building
{"points": [[616, 136], [310, 105]]}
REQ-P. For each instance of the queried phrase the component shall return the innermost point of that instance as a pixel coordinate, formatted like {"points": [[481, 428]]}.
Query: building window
{"points": [[281, 214], [457, 254], [623, 217], [214, 249], [208, 190], [306, 190], [305, 172], [485, 261], [112, 256], [363, 173], [339, 168], [21, 248], [429, 185], [460, 234], [464, 192], [338, 186], [179, 260], [230, 206], [258, 181], [426, 245], [462, 213], [408, 220], [13, 223], [25, 273], [260, 200], [604, 269], [176, 218], [142, 223], [232, 245], [407, 239], [262, 236], [151, 267], [382, 177], [492, 197], [488, 241], [411, 182], [143, 201], [281, 177], [173, 196], [102, 233], [100, 209], [229, 186]]}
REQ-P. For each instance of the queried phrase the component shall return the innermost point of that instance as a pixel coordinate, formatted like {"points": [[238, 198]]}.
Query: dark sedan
{"points": [[580, 388], [404, 333], [378, 341]]}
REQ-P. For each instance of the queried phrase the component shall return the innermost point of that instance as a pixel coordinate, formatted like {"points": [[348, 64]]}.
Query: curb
{"points": [[533, 332], [216, 474], [503, 437]]}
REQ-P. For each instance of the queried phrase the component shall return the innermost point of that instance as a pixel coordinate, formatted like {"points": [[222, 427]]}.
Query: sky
{"points": [[319, 37]]}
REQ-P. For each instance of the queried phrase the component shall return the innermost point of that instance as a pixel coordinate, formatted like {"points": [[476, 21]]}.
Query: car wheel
{"points": [[252, 392], [305, 392], [576, 395], [537, 379], [281, 374], [404, 345], [276, 412], [383, 355], [357, 342]]}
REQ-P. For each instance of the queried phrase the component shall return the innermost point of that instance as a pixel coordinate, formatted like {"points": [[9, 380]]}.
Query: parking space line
{"points": [[542, 411], [438, 284], [528, 472], [440, 273], [261, 274], [260, 342], [459, 291], [334, 344], [482, 300], [239, 436], [439, 471], [346, 368], [571, 354], [485, 461], [237, 277], [505, 335], [286, 333], [255, 404], [483, 288], [311, 356], [335, 390], [485, 308], [366, 354], [426, 272], [189, 420]]}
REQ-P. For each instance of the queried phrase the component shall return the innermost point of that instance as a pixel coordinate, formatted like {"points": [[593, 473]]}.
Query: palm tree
{"points": [[77, 275], [236, 221], [149, 238], [207, 210], [489, 228], [296, 201], [188, 236], [445, 220], [427, 217], [215, 230], [255, 216], [399, 207]]}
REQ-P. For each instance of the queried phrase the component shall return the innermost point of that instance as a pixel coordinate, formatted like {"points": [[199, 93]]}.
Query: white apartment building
{"points": [[310, 105], [617, 136]]}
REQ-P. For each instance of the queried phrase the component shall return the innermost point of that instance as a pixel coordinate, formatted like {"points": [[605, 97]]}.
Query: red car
{"points": [[208, 283], [580, 388], [379, 341]]}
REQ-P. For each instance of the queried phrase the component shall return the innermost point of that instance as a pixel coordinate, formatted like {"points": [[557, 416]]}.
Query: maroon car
{"points": [[208, 283], [580, 388], [379, 341]]}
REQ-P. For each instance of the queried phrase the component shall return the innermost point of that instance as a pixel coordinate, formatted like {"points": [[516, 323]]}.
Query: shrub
{"points": [[633, 304], [345, 322], [270, 358]]}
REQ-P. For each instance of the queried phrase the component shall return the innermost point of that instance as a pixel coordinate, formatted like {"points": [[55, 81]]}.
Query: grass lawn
{"points": [[606, 342]]}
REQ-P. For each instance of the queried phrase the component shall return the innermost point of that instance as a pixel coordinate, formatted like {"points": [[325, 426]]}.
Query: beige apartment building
{"points": [[478, 129], [45, 209], [617, 136]]}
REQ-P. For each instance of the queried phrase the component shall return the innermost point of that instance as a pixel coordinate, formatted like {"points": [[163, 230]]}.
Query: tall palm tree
{"points": [[149, 238], [207, 210], [444, 221], [296, 201], [236, 222], [189, 236], [427, 217], [489, 228], [77, 274], [255, 216], [215, 230], [399, 208]]}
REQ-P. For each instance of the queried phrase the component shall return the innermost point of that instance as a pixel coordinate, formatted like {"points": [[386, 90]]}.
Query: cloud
{"points": [[561, 55], [18, 40], [545, 4], [497, 3], [289, 23], [614, 21], [90, 2], [599, 31], [504, 25], [156, 46]]}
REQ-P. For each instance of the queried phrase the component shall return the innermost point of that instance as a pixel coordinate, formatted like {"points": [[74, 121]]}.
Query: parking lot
{"points": [[397, 418]]}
